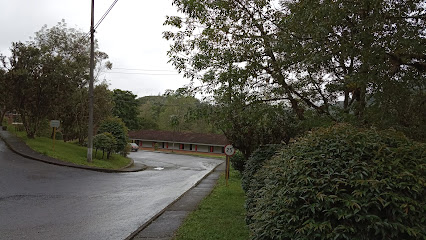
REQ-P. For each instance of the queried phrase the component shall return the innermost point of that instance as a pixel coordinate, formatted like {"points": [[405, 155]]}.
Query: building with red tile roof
{"points": [[196, 142]]}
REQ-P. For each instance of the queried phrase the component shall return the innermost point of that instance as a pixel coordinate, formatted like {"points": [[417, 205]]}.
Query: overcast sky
{"points": [[131, 35]]}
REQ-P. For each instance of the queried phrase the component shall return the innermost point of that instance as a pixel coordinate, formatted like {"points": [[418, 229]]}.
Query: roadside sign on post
{"points": [[54, 124], [229, 151]]}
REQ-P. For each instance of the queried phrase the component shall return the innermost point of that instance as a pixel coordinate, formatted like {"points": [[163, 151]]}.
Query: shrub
{"points": [[238, 161], [256, 161], [118, 129], [342, 183], [59, 136], [106, 142]]}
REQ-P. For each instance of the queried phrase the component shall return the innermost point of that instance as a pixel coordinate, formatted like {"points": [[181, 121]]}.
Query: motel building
{"points": [[184, 141]]}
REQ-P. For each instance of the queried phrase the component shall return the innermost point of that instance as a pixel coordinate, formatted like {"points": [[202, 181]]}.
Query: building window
{"points": [[190, 147], [223, 149]]}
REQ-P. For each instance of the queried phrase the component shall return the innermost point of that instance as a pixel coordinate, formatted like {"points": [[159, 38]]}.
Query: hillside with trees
{"points": [[174, 111]]}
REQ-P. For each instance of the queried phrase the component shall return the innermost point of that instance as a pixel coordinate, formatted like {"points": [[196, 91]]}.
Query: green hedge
{"points": [[256, 161], [238, 161], [342, 183]]}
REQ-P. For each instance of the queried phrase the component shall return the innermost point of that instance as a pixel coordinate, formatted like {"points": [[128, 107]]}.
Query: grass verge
{"points": [[220, 215], [73, 153]]}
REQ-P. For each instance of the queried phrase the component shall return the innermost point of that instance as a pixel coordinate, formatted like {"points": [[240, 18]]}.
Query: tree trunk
{"points": [[3, 112], [361, 103], [346, 102]]}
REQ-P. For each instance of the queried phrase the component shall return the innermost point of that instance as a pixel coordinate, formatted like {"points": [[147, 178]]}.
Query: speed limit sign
{"points": [[229, 150]]}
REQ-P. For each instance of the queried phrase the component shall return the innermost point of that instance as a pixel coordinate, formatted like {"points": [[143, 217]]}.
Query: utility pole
{"points": [[92, 66]]}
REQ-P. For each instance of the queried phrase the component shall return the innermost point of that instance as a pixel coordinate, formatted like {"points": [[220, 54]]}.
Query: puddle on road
{"points": [[158, 168]]}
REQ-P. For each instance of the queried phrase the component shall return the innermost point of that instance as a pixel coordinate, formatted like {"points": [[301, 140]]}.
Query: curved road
{"points": [[43, 201]]}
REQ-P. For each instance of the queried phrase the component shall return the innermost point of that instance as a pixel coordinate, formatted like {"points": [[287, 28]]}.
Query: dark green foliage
{"points": [[256, 161], [106, 142], [118, 129], [59, 136], [342, 183], [46, 78], [173, 111], [248, 182], [366, 58], [238, 161], [248, 126], [126, 108]]}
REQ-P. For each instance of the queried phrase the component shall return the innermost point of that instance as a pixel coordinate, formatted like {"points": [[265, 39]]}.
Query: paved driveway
{"points": [[42, 201]]}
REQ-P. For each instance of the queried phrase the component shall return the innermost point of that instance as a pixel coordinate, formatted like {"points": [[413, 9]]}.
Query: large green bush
{"points": [[238, 161], [256, 161], [106, 142], [342, 183], [118, 129]]}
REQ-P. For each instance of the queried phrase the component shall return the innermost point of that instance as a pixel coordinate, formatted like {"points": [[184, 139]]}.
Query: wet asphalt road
{"points": [[43, 201]]}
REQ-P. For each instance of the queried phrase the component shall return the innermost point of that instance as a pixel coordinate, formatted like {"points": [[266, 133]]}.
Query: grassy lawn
{"points": [[71, 152], [220, 215]]}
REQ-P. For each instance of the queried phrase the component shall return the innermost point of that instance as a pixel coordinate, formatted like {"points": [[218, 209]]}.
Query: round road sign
{"points": [[229, 150]]}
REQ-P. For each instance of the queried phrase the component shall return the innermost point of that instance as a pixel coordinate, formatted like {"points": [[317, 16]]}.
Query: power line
{"points": [[105, 14], [102, 18], [157, 74], [140, 69]]}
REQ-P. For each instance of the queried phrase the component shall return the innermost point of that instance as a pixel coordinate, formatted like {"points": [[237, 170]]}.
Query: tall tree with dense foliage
{"points": [[47, 73], [126, 108], [308, 54], [5, 96], [33, 84], [74, 121], [248, 126]]}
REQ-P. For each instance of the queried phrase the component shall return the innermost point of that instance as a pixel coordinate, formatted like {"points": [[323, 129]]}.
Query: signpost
{"points": [[54, 124], [229, 151]]}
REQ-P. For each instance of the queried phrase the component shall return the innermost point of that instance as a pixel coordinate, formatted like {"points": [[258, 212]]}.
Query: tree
{"points": [[248, 126], [32, 86], [5, 96], [308, 54], [47, 72], [126, 108], [75, 119], [118, 129], [105, 141], [357, 50]]}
